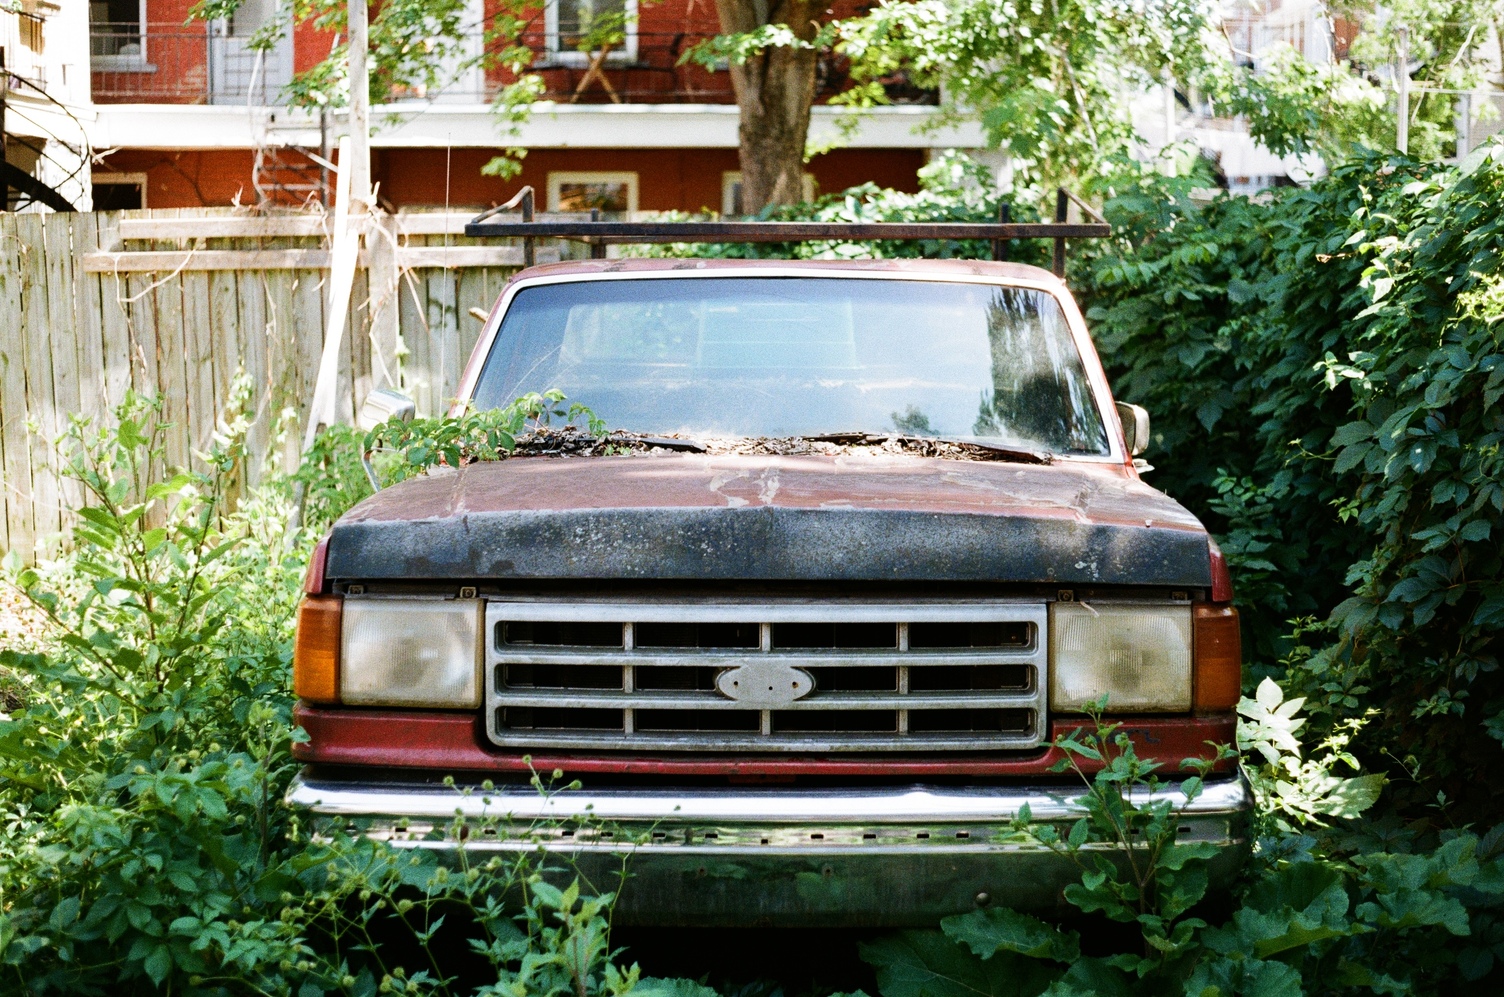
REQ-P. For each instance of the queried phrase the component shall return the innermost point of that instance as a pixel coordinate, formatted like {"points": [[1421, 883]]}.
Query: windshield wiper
{"points": [[995, 451]]}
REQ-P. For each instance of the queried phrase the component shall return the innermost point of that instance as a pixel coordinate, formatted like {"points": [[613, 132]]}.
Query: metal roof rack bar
{"points": [[599, 234]]}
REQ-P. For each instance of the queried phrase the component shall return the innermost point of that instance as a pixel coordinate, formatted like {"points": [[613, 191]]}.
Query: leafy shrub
{"points": [[1314, 917], [336, 473], [144, 845], [1325, 372]]}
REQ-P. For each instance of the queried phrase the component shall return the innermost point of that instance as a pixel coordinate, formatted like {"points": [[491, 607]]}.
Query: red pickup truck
{"points": [[807, 653]]}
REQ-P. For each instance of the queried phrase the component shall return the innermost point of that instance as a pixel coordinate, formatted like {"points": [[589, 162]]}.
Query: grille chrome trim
{"points": [[987, 719]]}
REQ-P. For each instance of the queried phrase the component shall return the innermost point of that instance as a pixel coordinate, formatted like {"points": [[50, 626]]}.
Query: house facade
{"points": [[135, 103], [192, 113]]}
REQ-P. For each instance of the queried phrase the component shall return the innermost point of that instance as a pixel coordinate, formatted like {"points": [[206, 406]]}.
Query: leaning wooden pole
{"points": [[346, 254], [351, 203]]}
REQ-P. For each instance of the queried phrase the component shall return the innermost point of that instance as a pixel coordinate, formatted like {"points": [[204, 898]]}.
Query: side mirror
{"points": [[1135, 420], [383, 405]]}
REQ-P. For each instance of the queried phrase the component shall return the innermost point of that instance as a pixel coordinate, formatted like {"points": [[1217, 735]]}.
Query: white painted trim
{"points": [[551, 126]]}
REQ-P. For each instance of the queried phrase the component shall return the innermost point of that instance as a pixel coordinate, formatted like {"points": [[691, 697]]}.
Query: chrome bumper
{"points": [[746, 855]]}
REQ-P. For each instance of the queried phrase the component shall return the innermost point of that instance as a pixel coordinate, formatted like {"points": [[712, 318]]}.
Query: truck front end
{"points": [[806, 661]]}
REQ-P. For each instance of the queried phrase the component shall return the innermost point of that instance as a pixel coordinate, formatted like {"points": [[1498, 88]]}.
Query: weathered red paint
{"points": [[313, 580], [1086, 493], [453, 742], [1221, 577]]}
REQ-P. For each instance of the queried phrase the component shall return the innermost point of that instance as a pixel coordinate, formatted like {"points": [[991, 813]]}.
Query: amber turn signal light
{"points": [[1218, 671], [315, 652]]}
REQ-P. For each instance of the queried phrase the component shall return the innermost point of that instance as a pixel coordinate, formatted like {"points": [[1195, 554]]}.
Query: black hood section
{"points": [[767, 544]]}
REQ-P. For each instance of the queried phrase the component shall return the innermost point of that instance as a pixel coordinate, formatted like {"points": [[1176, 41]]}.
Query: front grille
{"points": [[839, 676]]}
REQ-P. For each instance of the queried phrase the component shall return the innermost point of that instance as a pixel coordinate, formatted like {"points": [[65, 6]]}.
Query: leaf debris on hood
{"points": [[570, 442]]}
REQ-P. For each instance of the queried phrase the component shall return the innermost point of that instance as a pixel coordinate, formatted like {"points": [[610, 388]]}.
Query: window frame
{"points": [[574, 58], [558, 178], [137, 63], [120, 179]]}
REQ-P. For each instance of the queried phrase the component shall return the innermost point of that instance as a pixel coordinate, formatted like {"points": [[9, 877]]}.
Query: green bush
{"points": [[1335, 916], [1325, 371], [144, 844]]}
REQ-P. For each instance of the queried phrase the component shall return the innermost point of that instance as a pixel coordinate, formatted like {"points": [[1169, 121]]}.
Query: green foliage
{"points": [[1296, 789], [1303, 923], [1447, 49], [1147, 878], [333, 475], [487, 435], [144, 844], [1051, 82], [1294, 106], [1048, 81], [712, 53], [1324, 373]]}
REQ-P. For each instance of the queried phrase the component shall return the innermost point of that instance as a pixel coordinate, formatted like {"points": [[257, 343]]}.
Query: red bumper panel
{"points": [[455, 742]]}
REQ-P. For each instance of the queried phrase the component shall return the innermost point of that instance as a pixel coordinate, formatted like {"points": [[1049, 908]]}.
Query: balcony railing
{"points": [[183, 66]]}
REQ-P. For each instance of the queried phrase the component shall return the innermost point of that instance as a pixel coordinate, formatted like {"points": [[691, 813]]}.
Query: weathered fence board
{"points": [[19, 518], [181, 304]]}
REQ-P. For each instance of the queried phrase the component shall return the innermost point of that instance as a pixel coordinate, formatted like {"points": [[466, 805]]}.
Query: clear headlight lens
{"points": [[411, 652], [1139, 656]]}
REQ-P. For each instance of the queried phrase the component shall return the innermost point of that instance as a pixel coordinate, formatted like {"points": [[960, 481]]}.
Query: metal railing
{"points": [[184, 66], [177, 65]]}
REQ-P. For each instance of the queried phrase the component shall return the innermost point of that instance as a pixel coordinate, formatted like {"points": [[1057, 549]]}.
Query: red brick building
{"points": [[194, 116]]}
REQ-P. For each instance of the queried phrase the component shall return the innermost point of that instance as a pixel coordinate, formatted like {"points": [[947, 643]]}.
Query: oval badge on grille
{"points": [[765, 685]]}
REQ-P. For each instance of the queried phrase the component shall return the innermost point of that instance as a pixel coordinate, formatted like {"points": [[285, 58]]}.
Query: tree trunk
{"points": [[774, 91]]}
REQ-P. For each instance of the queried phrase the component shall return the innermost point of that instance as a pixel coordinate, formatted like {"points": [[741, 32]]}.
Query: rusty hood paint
{"points": [[853, 517]]}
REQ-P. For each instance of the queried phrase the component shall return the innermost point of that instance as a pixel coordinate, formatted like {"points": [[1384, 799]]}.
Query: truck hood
{"points": [[857, 517]]}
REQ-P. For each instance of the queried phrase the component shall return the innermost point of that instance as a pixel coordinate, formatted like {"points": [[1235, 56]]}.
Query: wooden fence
{"points": [[180, 303]]}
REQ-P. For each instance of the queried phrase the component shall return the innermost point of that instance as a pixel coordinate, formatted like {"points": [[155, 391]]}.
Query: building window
{"points": [[578, 29], [731, 192], [119, 191], [117, 33], [613, 194]]}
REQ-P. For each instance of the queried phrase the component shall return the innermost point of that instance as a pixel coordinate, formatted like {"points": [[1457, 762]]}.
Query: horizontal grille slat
{"points": [[586, 700], [766, 675]]}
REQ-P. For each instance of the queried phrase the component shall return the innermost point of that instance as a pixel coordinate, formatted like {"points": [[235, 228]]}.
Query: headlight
{"points": [[1139, 656], [411, 652]]}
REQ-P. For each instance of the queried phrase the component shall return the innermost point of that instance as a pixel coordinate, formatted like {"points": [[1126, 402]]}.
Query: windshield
{"points": [[802, 356]]}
